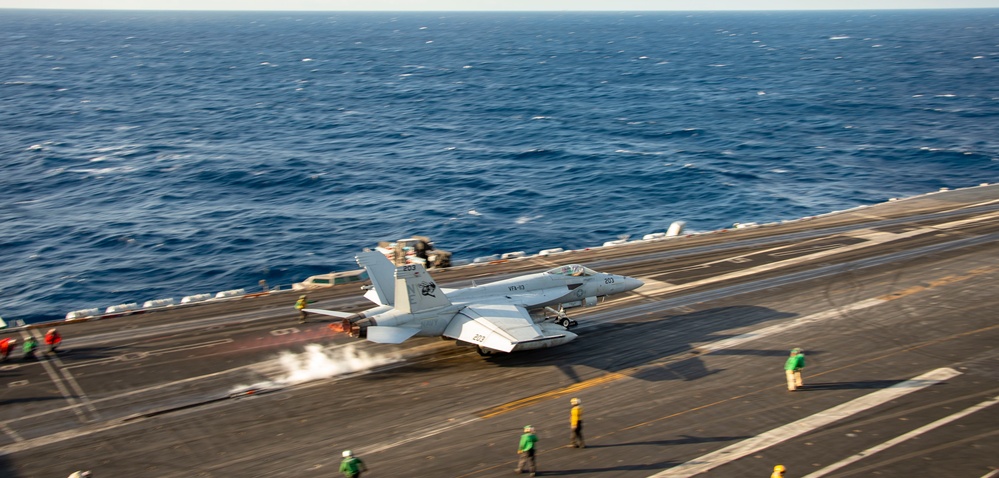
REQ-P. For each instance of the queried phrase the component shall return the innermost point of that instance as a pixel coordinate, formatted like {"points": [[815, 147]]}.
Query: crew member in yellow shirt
{"points": [[576, 422]]}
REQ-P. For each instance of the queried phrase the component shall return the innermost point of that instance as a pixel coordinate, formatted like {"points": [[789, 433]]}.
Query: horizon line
{"points": [[208, 10]]}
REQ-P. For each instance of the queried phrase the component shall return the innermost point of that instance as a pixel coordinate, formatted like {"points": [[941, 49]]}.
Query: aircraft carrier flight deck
{"points": [[895, 306]]}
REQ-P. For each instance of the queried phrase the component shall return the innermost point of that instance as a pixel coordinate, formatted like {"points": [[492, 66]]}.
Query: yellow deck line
{"points": [[558, 392]]}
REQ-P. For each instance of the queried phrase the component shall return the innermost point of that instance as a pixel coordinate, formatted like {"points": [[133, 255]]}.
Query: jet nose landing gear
{"points": [[561, 318], [565, 322]]}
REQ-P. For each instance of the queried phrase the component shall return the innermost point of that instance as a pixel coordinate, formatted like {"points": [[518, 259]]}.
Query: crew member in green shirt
{"points": [[351, 466], [792, 368], [528, 442], [28, 348]]}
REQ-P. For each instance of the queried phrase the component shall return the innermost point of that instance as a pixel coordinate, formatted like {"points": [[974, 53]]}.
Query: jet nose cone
{"points": [[630, 283], [635, 283]]}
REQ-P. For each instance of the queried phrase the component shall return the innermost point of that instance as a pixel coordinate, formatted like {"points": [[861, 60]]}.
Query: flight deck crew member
{"points": [[300, 307], [778, 472], [28, 349], [792, 369], [52, 338], [526, 451], [351, 466], [576, 424], [6, 346]]}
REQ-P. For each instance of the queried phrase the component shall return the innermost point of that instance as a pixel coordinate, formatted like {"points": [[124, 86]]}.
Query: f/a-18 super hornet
{"points": [[504, 316]]}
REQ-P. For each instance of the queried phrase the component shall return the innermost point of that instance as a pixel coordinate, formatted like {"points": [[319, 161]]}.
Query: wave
{"points": [[137, 169]]}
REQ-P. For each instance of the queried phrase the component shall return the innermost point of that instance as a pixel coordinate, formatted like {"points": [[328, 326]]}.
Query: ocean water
{"points": [[153, 155]]}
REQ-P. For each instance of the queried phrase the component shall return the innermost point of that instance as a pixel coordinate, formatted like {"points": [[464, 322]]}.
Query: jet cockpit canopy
{"points": [[573, 270]]}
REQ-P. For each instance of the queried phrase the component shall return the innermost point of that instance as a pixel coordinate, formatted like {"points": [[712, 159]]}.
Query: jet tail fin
{"points": [[381, 272], [416, 291]]}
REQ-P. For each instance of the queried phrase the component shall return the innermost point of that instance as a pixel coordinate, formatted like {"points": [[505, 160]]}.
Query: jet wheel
{"points": [[483, 352]]}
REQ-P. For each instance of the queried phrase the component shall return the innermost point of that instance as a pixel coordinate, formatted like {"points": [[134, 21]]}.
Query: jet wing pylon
{"points": [[495, 326]]}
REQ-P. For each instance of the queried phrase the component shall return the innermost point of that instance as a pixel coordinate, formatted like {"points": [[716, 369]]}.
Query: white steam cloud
{"points": [[317, 363]]}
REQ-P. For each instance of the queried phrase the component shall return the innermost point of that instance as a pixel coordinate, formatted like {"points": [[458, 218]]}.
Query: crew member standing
{"points": [[52, 338], [576, 423], [792, 368], [6, 346], [351, 466], [300, 305], [526, 451], [778, 472]]}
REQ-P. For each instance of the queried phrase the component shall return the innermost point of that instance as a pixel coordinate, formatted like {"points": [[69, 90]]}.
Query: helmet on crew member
{"points": [[575, 401], [780, 468], [347, 453], [301, 296], [528, 429]]}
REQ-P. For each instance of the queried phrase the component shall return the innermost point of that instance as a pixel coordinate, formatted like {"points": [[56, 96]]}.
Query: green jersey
{"points": [[527, 442], [795, 362], [351, 466]]}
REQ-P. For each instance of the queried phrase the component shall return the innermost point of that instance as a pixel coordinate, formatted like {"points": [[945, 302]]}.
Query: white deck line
{"points": [[899, 439], [873, 240], [805, 425]]}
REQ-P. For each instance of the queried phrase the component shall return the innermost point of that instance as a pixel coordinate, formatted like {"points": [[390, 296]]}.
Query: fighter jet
{"points": [[521, 313]]}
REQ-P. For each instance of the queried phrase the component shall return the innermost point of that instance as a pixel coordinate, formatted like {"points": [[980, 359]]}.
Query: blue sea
{"points": [[163, 154]]}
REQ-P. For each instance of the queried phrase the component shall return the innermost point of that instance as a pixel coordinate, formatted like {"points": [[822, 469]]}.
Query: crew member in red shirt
{"points": [[52, 338]]}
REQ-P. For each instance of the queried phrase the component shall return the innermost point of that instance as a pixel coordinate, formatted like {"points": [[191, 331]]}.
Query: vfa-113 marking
{"points": [[504, 316]]}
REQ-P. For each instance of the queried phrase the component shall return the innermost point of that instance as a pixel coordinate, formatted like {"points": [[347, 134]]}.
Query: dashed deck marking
{"points": [[148, 353]]}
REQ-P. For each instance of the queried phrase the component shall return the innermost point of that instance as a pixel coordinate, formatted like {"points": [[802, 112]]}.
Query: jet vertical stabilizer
{"points": [[416, 291], [381, 272]]}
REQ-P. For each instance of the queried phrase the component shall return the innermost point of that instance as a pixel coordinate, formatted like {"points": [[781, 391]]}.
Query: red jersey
{"points": [[53, 337]]}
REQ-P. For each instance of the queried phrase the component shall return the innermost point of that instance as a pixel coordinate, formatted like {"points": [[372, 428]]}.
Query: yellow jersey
{"points": [[575, 415]]}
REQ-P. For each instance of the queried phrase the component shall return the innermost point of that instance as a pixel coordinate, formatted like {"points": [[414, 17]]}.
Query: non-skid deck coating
{"points": [[683, 376]]}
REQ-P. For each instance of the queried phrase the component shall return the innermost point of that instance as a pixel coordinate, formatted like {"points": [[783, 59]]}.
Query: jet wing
{"points": [[495, 326]]}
